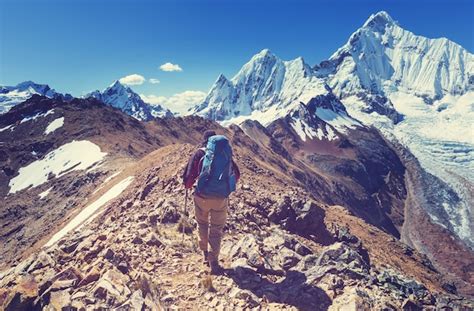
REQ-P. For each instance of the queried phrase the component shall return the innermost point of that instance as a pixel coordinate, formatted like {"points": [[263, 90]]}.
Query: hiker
{"points": [[216, 174]]}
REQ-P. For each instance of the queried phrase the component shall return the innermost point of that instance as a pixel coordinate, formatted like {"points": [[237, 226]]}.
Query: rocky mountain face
{"points": [[13, 95], [124, 98], [54, 154], [417, 92], [325, 230]]}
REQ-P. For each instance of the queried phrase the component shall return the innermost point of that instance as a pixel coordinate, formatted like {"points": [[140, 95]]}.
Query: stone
{"points": [[112, 287], [69, 246], [109, 254], [152, 240], [42, 261], [410, 305], [123, 267], [302, 250], [60, 300], [63, 284], [153, 218], [23, 295], [250, 298], [136, 300], [352, 300], [90, 277], [137, 240]]}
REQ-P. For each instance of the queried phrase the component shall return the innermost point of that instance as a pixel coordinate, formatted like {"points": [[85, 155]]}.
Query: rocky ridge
{"points": [[280, 246]]}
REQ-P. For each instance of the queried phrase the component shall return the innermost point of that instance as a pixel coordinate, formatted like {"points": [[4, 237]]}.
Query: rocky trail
{"points": [[282, 250]]}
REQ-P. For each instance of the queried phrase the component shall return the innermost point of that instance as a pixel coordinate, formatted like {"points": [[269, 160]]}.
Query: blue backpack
{"points": [[217, 178]]}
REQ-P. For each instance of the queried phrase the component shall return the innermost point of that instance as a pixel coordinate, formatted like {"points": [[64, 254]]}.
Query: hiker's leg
{"points": [[218, 219], [202, 218]]}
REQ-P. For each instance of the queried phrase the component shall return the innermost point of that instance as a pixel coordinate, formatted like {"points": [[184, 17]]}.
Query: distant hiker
{"points": [[216, 174]]}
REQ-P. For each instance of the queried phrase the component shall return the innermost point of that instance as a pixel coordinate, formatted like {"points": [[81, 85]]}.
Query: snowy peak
{"points": [[13, 95], [378, 20], [383, 58], [124, 98], [265, 88]]}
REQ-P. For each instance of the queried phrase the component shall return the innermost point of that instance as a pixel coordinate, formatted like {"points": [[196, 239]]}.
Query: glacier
{"points": [[415, 90]]}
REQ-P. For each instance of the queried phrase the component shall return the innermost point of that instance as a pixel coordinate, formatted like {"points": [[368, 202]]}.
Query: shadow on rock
{"points": [[292, 290]]}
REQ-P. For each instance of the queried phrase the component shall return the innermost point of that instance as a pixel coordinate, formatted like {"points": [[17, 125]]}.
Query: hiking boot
{"points": [[216, 268], [205, 260]]}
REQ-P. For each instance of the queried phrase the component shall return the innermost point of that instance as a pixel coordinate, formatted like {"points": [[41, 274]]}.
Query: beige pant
{"points": [[210, 228]]}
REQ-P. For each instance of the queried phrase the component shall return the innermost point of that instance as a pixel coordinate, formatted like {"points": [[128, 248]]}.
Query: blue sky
{"points": [[78, 46]]}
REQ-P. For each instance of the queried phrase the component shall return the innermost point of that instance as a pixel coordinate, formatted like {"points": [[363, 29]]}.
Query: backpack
{"points": [[217, 178]]}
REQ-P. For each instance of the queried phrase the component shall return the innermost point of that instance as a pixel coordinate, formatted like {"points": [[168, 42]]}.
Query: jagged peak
{"points": [[221, 79], [29, 83], [379, 18], [117, 84], [263, 55]]}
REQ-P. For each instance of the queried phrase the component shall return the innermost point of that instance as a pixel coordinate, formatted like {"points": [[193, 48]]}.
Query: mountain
{"points": [[94, 216], [382, 58], [13, 95], [124, 98], [420, 92], [416, 91], [264, 89]]}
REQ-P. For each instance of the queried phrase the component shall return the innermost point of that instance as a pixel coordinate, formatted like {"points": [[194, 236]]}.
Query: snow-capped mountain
{"points": [[266, 88], [12, 95], [383, 58], [420, 92], [417, 91], [124, 98]]}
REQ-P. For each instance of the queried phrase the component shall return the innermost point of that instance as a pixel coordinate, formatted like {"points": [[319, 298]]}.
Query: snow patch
{"points": [[54, 125], [76, 155], [36, 116], [107, 180], [339, 121], [86, 213], [6, 128], [43, 194]]}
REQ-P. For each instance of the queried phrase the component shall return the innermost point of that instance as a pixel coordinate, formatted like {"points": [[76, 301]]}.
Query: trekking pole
{"points": [[184, 214]]}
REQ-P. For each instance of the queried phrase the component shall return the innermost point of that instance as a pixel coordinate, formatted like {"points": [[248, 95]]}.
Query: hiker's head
{"points": [[208, 134]]}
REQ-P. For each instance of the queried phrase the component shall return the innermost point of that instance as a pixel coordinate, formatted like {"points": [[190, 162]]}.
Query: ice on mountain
{"points": [[262, 88], [6, 128], [13, 95], [87, 214], [73, 156], [36, 116], [124, 98], [339, 121], [45, 193], [54, 125]]}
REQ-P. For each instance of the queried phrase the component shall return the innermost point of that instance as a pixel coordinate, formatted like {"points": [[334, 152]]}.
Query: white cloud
{"points": [[132, 79], [179, 103], [153, 81], [170, 67]]}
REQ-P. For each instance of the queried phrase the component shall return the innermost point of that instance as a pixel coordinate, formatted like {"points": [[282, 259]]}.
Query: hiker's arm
{"points": [[236, 170], [192, 169]]}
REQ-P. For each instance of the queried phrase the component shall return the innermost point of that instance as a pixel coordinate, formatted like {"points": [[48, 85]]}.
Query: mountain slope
{"points": [[133, 255], [417, 91], [124, 98], [13, 95], [383, 58], [54, 154], [264, 89], [105, 236]]}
